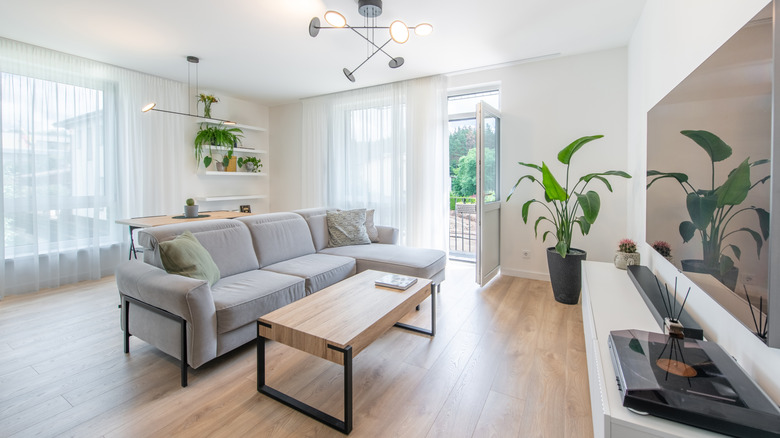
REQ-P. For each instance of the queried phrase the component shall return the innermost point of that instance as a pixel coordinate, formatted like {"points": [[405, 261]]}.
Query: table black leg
{"points": [[133, 254], [432, 331]]}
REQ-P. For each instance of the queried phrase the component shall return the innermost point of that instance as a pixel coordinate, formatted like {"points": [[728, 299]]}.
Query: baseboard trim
{"points": [[542, 276]]}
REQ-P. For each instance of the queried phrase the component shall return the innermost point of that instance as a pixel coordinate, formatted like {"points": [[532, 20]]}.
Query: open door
{"points": [[488, 195]]}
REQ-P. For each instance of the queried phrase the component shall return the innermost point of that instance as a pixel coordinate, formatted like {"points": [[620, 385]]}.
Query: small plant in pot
{"points": [[663, 248], [250, 164], [564, 203], [626, 254], [214, 135], [207, 100], [190, 208]]}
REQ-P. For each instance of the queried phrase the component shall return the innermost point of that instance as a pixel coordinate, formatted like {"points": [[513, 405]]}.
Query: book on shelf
{"points": [[395, 281]]}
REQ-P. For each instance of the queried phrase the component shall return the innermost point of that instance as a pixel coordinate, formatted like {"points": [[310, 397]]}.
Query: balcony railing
{"points": [[463, 228]]}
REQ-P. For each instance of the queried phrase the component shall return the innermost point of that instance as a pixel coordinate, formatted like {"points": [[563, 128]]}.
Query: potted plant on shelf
{"points": [[190, 208], [250, 164], [563, 203], [207, 100], [711, 210], [215, 135], [663, 248], [626, 254]]}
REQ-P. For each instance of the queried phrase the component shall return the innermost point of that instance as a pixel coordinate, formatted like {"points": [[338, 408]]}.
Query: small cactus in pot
{"points": [[626, 254], [190, 208]]}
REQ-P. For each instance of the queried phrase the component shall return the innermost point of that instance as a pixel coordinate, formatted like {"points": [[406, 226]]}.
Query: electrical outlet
{"points": [[526, 253]]}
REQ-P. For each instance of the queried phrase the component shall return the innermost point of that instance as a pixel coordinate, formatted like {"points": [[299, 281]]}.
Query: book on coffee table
{"points": [[396, 281]]}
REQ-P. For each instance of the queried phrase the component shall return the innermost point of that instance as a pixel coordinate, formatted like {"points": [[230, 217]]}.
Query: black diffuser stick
{"points": [[675, 295], [760, 312], [753, 314], [661, 292], [683, 304]]}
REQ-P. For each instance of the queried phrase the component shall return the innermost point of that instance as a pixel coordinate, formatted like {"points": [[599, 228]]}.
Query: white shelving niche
{"points": [[224, 189]]}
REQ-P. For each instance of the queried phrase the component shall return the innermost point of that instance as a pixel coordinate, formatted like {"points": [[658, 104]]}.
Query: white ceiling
{"points": [[261, 49]]}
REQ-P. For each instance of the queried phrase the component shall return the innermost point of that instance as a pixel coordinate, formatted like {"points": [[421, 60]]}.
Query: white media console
{"points": [[610, 301]]}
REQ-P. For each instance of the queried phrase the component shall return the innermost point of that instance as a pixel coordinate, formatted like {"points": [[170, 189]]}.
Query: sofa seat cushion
{"points": [[417, 262], [319, 270], [242, 298]]}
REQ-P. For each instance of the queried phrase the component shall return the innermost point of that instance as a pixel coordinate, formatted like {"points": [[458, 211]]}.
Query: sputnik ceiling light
{"points": [[151, 106], [370, 9]]}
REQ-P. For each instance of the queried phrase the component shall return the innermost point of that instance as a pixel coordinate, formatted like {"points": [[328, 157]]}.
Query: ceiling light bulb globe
{"points": [[148, 107], [423, 29], [335, 19], [399, 32]]}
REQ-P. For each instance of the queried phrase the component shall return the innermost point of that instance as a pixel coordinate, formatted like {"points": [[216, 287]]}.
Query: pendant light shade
{"points": [[423, 29], [335, 19], [399, 32]]}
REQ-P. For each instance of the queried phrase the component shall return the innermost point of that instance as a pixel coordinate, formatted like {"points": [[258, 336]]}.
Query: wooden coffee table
{"points": [[336, 324]]}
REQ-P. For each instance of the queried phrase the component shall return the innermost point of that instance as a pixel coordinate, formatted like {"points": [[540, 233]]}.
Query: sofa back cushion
{"points": [[227, 241], [278, 237]]}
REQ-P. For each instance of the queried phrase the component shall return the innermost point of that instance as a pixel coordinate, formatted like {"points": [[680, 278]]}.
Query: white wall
{"points": [[286, 150], [546, 105], [671, 39]]}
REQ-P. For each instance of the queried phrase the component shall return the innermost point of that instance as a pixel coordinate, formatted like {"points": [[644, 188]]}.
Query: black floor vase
{"points": [[566, 274]]}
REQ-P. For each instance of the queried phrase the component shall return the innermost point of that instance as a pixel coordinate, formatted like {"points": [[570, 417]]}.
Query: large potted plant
{"points": [[712, 210], [564, 203], [215, 135]]}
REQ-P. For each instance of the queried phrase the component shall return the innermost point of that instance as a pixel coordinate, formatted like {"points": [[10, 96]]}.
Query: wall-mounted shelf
{"points": [[237, 125], [228, 198], [237, 150], [217, 173]]}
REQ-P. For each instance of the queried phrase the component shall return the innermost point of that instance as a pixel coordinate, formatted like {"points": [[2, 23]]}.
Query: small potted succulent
{"points": [[626, 254], [190, 208], [250, 164], [663, 248]]}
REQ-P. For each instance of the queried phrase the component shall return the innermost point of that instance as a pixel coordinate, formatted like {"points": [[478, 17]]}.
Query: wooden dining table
{"points": [[156, 221]]}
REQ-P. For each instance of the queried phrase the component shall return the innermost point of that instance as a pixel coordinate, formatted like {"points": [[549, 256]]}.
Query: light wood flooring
{"points": [[507, 361]]}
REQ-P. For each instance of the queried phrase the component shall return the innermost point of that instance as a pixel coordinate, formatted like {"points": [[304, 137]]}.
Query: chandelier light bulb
{"points": [[335, 19], [399, 32], [423, 29], [148, 107]]}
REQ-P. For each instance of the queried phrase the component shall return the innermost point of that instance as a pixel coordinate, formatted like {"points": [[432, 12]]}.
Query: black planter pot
{"points": [[729, 280], [566, 274]]}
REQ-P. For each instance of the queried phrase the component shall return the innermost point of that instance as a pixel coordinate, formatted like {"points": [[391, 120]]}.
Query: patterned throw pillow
{"points": [[347, 227], [373, 233], [185, 256]]}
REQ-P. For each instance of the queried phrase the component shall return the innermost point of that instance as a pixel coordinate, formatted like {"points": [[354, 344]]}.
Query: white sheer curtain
{"points": [[383, 148], [77, 154]]}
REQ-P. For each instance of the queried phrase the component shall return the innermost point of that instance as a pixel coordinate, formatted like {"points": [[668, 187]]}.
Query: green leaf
{"points": [[716, 148], [687, 230], [536, 226], [525, 210], [511, 192], [584, 225], [680, 177], [564, 156], [757, 238], [763, 221], [562, 248], [598, 177], [701, 209], [736, 187], [759, 162], [636, 346], [551, 187], [531, 165], [590, 203], [725, 264], [207, 161], [544, 236], [736, 250]]}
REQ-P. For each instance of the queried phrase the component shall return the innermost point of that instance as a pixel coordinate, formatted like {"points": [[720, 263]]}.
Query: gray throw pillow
{"points": [[347, 227], [373, 233]]}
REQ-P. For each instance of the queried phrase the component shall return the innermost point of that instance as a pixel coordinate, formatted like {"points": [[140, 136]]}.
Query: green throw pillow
{"points": [[185, 256]]}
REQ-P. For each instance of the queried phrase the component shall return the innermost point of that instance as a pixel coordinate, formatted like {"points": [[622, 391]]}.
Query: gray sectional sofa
{"points": [[265, 262]]}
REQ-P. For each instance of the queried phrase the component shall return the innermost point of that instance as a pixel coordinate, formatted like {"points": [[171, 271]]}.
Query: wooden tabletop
{"points": [[352, 312], [156, 221]]}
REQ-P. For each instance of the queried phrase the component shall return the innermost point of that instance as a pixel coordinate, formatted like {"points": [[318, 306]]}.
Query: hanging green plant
{"points": [[215, 135]]}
